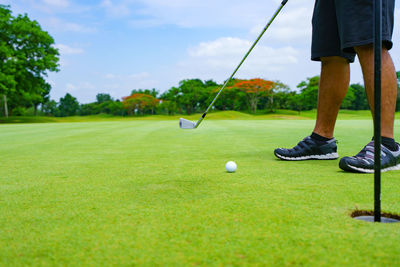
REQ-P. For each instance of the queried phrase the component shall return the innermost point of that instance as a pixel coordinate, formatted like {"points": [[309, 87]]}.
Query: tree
{"points": [[281, 96], [193, 95], [254, 89], [116, 108], [68, 106], [153, 92], [7, 64], [26, 56], [140, 103], [49, 108], [309, 93], [172, 97], [360, 101], [167, 107], [348, 101], [275, 97], [89, 109], [102, 98]]}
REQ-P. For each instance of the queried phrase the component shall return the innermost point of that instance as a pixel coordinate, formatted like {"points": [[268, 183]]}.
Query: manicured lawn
{"points": [[224, 115], [144, 192]]}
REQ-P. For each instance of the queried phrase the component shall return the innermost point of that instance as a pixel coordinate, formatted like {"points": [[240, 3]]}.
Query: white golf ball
{"points": [[230, 166]]}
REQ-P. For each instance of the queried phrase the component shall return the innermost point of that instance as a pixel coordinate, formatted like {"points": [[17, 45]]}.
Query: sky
{"points": [[115, 46]]}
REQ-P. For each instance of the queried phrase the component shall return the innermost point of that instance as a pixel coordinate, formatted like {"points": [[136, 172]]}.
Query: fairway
{"points": [[144, 192]]}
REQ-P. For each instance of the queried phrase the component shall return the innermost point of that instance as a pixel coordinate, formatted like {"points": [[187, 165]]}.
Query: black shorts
{"points": [[340, 25]]}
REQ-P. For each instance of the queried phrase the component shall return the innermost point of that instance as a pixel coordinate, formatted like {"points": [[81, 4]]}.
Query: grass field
{"points": [[144, 192], [225, 115]]}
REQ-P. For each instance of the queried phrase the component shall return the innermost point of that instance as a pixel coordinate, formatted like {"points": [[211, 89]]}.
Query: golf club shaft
{"points": [[241, 62]]}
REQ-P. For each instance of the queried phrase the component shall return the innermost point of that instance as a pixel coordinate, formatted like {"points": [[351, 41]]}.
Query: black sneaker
{"points": [[364, 161], [309, 149]]}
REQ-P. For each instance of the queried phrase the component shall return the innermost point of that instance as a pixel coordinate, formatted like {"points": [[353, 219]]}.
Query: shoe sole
{"points": [[361, 170], [330, 156]]}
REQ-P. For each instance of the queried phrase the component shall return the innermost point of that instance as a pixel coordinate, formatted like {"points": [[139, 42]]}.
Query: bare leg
{"points": [[334, 83], [389, 85]]}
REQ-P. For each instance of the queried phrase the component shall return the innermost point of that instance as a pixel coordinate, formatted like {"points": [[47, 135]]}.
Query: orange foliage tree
{"points": [[140, 103], [254, 89]]}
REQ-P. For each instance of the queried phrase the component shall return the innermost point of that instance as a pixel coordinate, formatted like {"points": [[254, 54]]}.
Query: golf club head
{"points": [[186, 124]]}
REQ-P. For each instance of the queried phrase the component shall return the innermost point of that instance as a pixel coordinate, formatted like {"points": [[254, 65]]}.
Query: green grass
{"points": [[224, 115], [143, 192]]}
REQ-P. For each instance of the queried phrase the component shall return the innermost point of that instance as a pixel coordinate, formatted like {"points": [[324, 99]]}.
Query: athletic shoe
{"points": [[364, 161], [309, 149]]}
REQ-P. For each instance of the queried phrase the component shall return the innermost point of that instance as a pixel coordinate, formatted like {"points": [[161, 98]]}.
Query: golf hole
{"points": [[368, 215]]}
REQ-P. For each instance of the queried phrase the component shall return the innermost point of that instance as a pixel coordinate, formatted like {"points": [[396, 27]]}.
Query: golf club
{"points": [[186, 124]]}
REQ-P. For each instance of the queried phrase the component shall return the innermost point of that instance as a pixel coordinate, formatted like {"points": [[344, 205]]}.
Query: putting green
{"points": [[148, 193]]}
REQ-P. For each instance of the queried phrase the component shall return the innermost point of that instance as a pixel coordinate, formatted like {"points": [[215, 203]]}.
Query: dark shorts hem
{"points": [[317, 56], [349, 47]]}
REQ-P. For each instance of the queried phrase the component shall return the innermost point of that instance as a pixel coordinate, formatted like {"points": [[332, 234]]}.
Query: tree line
{"points": [[27, 54], [194, 96]]}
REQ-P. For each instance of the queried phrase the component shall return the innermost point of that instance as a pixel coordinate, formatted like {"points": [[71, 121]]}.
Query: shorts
{"points": [[340, 25]]}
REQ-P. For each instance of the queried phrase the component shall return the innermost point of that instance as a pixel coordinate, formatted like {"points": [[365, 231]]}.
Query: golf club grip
{"points": [[244, 58]]}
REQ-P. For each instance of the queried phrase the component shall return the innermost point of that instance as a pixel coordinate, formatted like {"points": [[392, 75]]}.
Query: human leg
{"points": [[389, 85], [334, 83], [390, 160]]}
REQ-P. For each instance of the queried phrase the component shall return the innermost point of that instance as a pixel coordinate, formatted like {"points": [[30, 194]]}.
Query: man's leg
{"points": [[334, 83], [364, 160], [389, 85]]}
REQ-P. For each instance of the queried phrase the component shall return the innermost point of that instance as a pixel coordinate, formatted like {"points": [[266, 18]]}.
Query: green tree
{"points": [[102, 98], [116, 108], [26, 56], [68, 106], [349, 100], [171, 97], [193, 95], [7, 63], [276, 97], [360, 101], [89, 109], [309, 93], [282, 96], [49, 108]]}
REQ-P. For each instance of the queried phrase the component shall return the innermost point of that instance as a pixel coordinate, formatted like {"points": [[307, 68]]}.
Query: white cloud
{"points": [[120, 85], [110, 76], [57, 3], [222, 13], [67, 50], [59, 25], [82, 86], [70, 87], [292, 25], [115, 10], [217, 59]]}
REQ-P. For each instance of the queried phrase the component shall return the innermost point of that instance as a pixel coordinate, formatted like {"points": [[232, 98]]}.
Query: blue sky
{"points": [[114, 46]]}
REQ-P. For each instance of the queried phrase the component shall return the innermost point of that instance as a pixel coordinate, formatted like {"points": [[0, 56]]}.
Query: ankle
{"points": [[320, 138]]}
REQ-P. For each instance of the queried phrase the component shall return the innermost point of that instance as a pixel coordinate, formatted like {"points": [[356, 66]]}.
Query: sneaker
{"points": [[364, 161], [309, 149]]}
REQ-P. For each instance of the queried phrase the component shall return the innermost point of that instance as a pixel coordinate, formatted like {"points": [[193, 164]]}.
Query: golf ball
{"points": [[230, 166]]}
